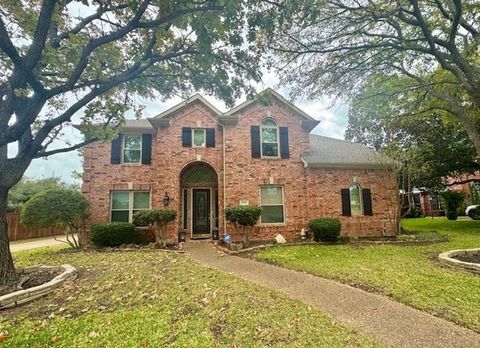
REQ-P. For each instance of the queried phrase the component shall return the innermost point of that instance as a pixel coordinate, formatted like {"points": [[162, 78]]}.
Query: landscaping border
{"points": [[23, 296], [448, 258]]}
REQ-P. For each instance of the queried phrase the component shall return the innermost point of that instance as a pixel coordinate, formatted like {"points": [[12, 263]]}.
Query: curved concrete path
{"points": [[27, 244], [391, 323]]}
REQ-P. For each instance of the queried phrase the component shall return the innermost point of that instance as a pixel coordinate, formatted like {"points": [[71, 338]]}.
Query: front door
{"points": [[201, 213]]}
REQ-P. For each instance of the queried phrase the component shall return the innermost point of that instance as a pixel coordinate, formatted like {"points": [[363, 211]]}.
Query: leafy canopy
{"points": [[332, 47], [243, 215], [151, 216], [55, 208]]}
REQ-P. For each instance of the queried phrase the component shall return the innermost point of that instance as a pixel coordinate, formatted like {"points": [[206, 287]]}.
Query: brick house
{"points": [[198, 160]]}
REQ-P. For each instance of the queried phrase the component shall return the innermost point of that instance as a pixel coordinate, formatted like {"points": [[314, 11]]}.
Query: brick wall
{"points": [[309, 193]]}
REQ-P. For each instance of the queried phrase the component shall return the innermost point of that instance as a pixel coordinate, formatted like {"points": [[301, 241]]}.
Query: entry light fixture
{"points": [[166, 199]]}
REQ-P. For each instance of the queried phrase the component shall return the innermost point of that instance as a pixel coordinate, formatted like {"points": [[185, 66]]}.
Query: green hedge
{"points": [[325, 229], [110, 234]]}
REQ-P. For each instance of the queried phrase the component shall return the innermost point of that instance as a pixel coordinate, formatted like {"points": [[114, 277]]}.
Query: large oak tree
{"points": [[332, 46], [61, 58]]}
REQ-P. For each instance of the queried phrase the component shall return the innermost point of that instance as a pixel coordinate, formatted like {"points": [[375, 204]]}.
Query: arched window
{"points": [[355, 200], [269, 138]]}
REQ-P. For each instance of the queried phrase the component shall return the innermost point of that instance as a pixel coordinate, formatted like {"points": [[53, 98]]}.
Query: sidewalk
{"points": [[391, 323], [26, 244]]}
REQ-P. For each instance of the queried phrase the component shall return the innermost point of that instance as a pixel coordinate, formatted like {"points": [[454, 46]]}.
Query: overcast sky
{"points": [[333, 124]]}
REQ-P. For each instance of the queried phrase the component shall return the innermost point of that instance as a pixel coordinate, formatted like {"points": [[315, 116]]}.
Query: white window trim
{"points": [[123, 149], [130, 203], [274, 205], [261, 137], [360, 198], [204, 137]]}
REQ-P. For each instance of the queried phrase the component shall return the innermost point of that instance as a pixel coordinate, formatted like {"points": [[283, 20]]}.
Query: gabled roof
{"points": [[271, 92], [194, 98], [330, 152]]}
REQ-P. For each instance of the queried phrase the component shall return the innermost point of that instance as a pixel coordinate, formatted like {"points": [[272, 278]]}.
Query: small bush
{"points": [[111, 234], [325, 229], [415, 212], [158, 219], [245, 217], [452, 200]]}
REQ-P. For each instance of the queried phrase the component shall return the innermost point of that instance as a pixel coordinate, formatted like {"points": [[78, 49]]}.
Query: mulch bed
{"points": [[30, 280], [468, 258]]}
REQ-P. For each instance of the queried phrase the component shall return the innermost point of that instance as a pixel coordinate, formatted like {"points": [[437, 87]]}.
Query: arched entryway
{"points": [[199, 185]]}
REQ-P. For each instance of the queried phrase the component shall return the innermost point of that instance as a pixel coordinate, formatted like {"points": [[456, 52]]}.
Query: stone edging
{"points": [[447, 257], [261, 246], [23, 296]]}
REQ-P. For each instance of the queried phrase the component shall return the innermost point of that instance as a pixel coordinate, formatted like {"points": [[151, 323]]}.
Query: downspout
{"points": [[224, 183]]}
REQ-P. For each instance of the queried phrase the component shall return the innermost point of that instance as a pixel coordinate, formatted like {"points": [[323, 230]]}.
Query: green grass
{"points": [[153, 299], [410, 273]]}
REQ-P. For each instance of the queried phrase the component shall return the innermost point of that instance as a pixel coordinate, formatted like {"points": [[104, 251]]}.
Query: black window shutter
{"points": [[284, 150], [187, 137], [116, 152], [255, 135], [146, 148], [346, 209], [367, 202], [210, 134]]}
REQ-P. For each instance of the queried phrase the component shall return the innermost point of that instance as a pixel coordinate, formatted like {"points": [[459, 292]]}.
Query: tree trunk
{"points": [[7, 269]]}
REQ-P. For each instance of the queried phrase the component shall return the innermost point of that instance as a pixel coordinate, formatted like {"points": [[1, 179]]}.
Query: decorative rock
{"points": [[279, 239]]}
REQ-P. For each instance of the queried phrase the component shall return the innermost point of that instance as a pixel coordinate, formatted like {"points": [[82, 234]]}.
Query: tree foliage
{"points": [[158, 219], [431, 145], [63, 208], [333, 46], [26, 188]]}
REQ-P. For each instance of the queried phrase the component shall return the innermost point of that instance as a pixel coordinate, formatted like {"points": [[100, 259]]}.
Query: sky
{"points": [[333, 122]]}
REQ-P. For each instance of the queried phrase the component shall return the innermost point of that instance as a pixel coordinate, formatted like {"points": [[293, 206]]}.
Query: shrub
{"points": [[415, 212], [452, 200], [63, 208], [159, 219], [325, 229], [244, 216], [111, 234]]}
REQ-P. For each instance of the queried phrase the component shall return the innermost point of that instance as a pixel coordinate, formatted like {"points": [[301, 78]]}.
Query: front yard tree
{"points": [[332, 46], [63, 208], [59, 58]]}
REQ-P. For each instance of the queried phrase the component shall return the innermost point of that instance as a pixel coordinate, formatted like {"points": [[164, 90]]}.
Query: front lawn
{"points": [[409, 274], [150, 298]]}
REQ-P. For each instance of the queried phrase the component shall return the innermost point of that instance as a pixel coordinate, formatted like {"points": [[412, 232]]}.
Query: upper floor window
{"points": [[198, 137], [269, 138], [126, 203], [132, 149], [355, 200]]}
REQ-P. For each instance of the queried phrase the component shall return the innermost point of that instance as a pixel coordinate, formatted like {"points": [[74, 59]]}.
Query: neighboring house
{"points": [[198, 160], [430, 203]]}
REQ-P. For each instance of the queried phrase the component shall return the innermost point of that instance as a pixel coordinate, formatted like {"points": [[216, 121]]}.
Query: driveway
{"points": [[27, 244]]}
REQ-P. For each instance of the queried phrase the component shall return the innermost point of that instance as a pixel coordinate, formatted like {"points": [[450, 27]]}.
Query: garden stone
{"points": [[280, 239]]}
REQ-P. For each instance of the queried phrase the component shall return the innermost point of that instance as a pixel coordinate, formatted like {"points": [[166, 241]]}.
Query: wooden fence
{"points": [[17, 231]]}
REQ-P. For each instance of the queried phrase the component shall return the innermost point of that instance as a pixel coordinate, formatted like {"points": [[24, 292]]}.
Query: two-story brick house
{"points": [[198, 160]]}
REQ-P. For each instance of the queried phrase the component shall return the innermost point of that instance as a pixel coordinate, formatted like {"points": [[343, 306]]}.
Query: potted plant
{"points": [[452, 200]]}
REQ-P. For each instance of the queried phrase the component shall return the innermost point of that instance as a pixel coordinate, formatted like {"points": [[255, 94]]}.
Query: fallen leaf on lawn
{"points": [[3, 336], [54, 339], [94, 334]]}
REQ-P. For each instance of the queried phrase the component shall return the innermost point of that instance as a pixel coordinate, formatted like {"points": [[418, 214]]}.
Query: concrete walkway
{"points": [[27, 244], [391, 323]]}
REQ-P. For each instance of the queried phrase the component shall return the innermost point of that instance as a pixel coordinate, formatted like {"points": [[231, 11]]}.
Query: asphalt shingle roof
{"points": [[326, 151]]}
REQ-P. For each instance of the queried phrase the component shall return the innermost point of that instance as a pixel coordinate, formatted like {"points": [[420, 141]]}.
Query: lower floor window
{"points": [[272, 204], [126, 203]]}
